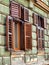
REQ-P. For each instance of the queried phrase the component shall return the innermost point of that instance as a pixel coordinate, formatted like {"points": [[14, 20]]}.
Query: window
{"points": [[12, 34], [19, 11], [40, 35], [40, 23], [40, 38], [18, 29], [18, 34]]}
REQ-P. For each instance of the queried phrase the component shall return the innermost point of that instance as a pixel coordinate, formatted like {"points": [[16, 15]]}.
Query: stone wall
{"points": [[30, 55]]}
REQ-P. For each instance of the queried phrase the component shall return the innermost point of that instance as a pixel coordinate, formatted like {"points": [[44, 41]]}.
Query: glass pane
{"points": [[16, 35], [39, 21], [38, 33], [40, 44], [42, 22], [42, 34]]}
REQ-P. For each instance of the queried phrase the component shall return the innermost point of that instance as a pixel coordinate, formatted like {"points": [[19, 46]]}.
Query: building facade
{"points": [[24, 32]]}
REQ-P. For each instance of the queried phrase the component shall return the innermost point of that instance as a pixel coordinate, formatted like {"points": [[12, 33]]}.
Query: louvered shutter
{"points": [[9, 33], [22, 13], [26, 14], [35, 19], [45, 22], [28, 35], [15, 9]]}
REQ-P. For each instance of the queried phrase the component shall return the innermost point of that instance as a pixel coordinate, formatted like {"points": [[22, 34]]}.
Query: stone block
{"points": [[33, 28], [17, 61], [45, 31], [30, 12], [30, 4], [2, 40], [48, 32], [0, 60], [6, 60], [46, 56], [3, 51], [25, 3], [46, 37], [47, 21], [46, 44], [47, 27], [33, 35], [30, 20], [2, 29], [46, 50], [5, 2], [2, 19], [34, 50], [4, 9], [34, 43], [27, 58]]}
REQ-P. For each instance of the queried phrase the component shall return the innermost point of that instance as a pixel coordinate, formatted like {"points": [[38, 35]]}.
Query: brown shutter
{"points": [[15, 9], [26, 14], [28, 35], [45, 22], [22, 13], [35, 19], [9, 33]]}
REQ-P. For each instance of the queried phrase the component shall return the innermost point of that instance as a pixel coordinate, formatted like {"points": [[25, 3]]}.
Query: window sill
{"points": [[40, 52]]}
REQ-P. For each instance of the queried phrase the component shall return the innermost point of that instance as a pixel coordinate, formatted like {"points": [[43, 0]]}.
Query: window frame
{"points": [[18, 39], [13, 34], [40, 38], [42, 5]]}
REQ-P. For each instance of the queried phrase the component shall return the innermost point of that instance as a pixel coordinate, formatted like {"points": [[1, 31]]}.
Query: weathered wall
{"points": [[4, 10], [29, 55]]}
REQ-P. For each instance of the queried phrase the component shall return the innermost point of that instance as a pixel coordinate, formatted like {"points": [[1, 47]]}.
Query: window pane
{"points": [[42, 44], [39, 44], [38, 33], [42, 22], [42, 33], [16, 35], [39, 21]]}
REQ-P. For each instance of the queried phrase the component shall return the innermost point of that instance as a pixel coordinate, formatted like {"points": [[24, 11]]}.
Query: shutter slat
{"points": [[28, 35]]}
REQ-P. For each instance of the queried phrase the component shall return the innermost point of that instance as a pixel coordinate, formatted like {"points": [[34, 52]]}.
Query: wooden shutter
{"points": [[45, 22], [26, 14], [28, 35], [35, 19], [9, 33], [15, 9], [22, 13]]}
